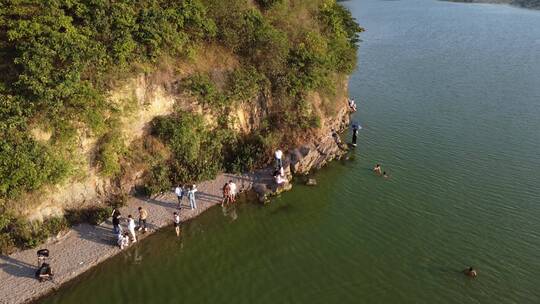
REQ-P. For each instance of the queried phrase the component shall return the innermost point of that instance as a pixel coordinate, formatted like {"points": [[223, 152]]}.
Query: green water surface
{"points": [[449, 101]]}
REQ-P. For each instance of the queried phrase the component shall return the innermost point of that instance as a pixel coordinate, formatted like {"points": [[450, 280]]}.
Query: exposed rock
{"points": [[311, 182], [262, 192], [314, 156], [148, 96]]}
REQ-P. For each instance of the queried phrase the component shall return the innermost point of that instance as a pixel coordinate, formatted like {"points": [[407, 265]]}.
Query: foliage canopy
{"points": [[60, 58]]}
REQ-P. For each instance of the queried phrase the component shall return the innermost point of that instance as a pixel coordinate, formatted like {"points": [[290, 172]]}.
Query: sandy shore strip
{"points": [[85, 246]]}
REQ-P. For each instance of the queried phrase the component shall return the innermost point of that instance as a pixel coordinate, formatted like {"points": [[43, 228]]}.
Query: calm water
{"points": [[450, 103]]}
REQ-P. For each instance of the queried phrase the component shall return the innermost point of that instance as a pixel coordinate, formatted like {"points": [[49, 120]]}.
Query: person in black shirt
{"points": [[117, 229]]}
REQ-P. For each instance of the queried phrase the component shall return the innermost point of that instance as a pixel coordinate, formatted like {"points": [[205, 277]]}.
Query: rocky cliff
{"points": [[104, 99], [157, 95]]}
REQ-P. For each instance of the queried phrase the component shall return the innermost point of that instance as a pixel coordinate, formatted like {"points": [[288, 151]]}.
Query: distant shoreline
{"points": [[528, 4]]}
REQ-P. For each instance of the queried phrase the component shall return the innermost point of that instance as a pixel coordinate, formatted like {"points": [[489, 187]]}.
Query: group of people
{"points": [[229, 193], [125, 237], [377, 169], [189, 191]]}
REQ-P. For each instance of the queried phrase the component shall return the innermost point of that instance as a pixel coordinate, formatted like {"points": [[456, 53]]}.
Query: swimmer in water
{"points": [[470, 272], [377, 169], [384, 174]]}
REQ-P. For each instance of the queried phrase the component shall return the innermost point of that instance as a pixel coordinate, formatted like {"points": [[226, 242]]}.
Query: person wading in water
{"points": [[377, 169], [470, 272], [354, 135]]}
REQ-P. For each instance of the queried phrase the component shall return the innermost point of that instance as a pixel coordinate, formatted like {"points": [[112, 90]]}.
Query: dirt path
{"points": [[85, 246]]}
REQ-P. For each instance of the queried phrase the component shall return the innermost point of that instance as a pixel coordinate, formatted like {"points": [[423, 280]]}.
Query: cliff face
{"points": [[157, 95], [146, 96], [317, 152]]}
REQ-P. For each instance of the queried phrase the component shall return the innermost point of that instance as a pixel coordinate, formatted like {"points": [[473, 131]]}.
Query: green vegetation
{"points": [[58, 59], [245, 154], [93, 215], [246, 83], [196, 150], [266, 4], [205, 90], [61, 58], [17, 232], [111, 148]]}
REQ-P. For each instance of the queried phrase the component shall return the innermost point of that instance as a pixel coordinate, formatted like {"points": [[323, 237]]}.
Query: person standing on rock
{"points": [[233, 190], [354, 134], [131, 228], [179, 194], [176, 223], [191, 197], [352, 104], [143, 214], [278, 156]]}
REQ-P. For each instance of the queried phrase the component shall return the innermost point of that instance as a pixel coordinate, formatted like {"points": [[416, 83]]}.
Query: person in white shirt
{"points": [[352, 104], [233, 190], [279, 179], [176, 222], [279, 162], [131, 228], [191, 197], [123, 240], [179, 194]]}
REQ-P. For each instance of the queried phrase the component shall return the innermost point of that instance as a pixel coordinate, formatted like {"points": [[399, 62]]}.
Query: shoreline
{"points": [[85, 246], [95, 244]]}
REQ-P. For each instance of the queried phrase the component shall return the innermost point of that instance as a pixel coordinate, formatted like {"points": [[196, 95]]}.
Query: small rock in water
{"points": [[311, 182]]}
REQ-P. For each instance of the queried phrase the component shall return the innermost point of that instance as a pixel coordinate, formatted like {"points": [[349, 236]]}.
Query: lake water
{"points": [[449, 98]]}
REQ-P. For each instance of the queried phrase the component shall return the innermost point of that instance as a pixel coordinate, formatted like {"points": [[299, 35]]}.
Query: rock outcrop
{"points": [[310, 156]]}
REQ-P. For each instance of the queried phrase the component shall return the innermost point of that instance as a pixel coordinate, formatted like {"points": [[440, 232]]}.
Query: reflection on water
{"points": [[229, 210]]}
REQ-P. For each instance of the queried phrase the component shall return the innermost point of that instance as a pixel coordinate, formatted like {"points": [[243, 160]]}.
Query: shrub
{"points": [[28, 235], [245, 83], [60, 57], [245, 153], [158, 179], [205, 90], [93, 215], [51, 227], [307, 69], [342, 33], [264, 46], [25, 165], [118, 200], [110, 149], [196, 150], [7, 246], [266, 4]]}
